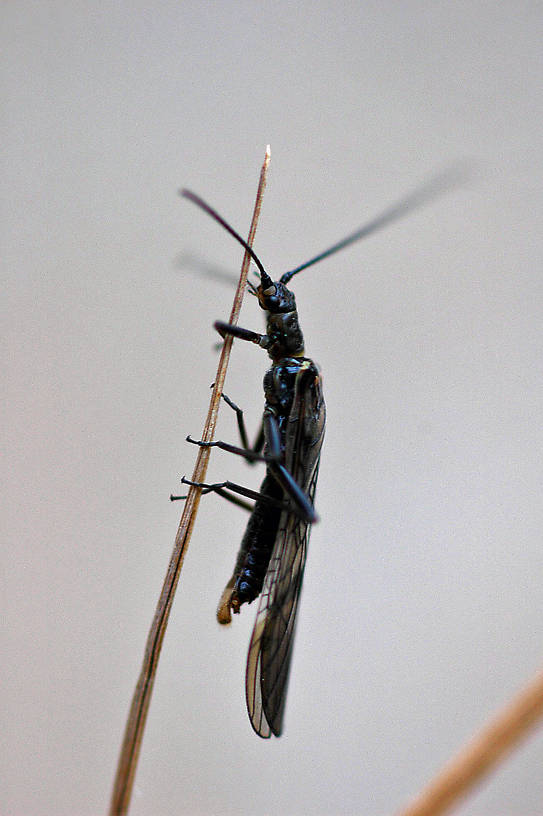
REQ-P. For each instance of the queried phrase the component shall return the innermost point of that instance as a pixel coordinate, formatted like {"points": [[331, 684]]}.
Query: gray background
{"points": [[421, 610]]}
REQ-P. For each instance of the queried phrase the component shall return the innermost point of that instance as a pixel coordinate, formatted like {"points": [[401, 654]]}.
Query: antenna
{"points": [[264, 277], [436, 185]]}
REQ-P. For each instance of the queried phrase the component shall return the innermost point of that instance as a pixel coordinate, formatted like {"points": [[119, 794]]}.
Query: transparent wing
{"points": [[271, 643]]}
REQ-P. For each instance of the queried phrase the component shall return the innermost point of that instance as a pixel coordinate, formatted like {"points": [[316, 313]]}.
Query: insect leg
{"points": [[250, 455], [242, 334], [220, 492], [303, 504], [221, 487], [259, 441]]}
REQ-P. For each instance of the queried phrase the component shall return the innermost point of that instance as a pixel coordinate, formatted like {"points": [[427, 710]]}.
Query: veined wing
{"points": [[272, 639]]}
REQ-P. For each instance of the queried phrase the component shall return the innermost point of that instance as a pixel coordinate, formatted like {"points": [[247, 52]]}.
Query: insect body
{"points": [[272, 556], [271, 559], [273, 551]]}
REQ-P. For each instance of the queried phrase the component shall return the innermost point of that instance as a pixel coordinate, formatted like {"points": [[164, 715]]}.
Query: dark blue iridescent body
{"points": [[272, 557], [284, 343]]}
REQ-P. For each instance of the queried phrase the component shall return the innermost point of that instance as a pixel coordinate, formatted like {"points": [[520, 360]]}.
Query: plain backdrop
{"points": [[422, 605]]}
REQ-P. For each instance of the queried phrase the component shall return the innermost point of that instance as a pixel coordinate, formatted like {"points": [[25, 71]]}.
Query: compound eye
{"points": [[269, 291]]}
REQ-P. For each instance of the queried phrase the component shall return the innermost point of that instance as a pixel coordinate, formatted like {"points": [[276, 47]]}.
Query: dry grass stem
{"points": [[128, 758], [482, 753]]}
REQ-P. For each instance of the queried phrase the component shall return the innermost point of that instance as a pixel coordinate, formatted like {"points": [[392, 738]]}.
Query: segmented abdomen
{"points": [[257, 543]]}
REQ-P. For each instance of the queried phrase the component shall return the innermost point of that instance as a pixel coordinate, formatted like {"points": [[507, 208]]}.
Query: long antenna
{"points": [[264, 277], [443, 181]]}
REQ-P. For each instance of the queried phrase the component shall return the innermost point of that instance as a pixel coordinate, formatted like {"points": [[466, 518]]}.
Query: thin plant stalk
{"points": [[130, 749], [482, 753]]}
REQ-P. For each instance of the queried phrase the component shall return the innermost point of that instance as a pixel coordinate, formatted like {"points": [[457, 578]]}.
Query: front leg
{"points": [[225, 329]]}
